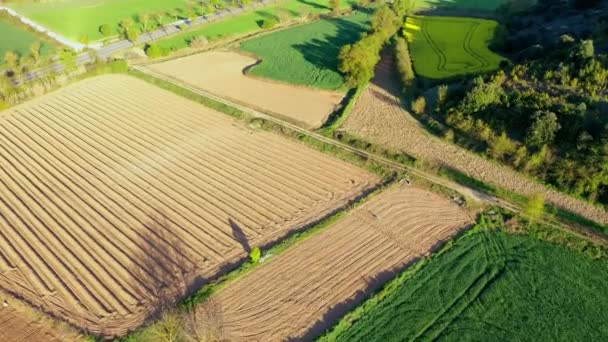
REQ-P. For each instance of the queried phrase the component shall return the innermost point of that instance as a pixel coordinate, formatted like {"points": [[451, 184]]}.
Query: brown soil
{"points": [[222, 73], [20, 323], [380, 118], [117, 198], [301, 293]]}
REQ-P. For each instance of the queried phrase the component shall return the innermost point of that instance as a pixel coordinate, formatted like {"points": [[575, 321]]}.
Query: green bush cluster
{"points": [[548, 118]]}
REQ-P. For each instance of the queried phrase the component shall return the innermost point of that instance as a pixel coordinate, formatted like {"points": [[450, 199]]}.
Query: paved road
{"points": [[107, 51], [475, 194]]}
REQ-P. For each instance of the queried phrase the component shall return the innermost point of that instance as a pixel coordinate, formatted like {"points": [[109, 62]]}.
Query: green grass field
{"points": [[489, 286], [18, 40], [446, 47], [74, 18], [248, 22], [307, 54]]}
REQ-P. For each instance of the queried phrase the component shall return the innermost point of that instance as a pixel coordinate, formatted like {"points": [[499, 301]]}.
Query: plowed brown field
{"points": [[305, 290], [380, 118], [117, 197], [222, 73]]}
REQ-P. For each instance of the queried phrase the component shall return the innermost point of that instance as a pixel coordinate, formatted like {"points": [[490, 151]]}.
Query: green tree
{"points": [[535, 208], [255, 255], [132, 34], [403, 7], [502, 146], [543, 129], [334, 5], [11, 59], [586, 49], [404, 64], [384, 22], [144, 19], [35, 52], [68, 59], [105, 30], [159, 18], [154, 51], [419, 105]]}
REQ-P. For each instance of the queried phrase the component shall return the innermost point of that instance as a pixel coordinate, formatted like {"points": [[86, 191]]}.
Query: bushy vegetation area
{"points": [[448, 47], [307, 54], [501, 281], [547, 118]]}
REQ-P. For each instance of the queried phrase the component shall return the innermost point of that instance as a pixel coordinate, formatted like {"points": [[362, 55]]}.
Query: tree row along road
{"points": [[480, 196], [105, 52]]}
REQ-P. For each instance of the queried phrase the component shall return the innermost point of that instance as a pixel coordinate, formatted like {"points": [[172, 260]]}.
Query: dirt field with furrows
{"points": [[380, 118], [222, 73], [117, 197], [21, 323], [307, 289]]}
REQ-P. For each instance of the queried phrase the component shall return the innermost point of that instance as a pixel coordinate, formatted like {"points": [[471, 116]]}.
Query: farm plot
{"points": [[17, 39], [490, 285], [446, 47], [305, 290], [379, 117], [77, 18], [307, 54], [222, 73], [117, 198]]}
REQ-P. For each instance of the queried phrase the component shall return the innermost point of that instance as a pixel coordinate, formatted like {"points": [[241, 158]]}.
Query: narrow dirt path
{"points": [[380, 118]]}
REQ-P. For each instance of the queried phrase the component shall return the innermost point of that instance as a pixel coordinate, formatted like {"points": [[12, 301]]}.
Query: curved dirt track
{"points": [[301, 293], [222, 73], [380, 118], [117, 198]]}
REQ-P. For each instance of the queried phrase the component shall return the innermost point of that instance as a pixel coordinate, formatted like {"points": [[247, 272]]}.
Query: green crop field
{"points": [[478, 5], [308, 54], [75, 18], [445, 47], [489, 285], [248, 22], [18, 40]]}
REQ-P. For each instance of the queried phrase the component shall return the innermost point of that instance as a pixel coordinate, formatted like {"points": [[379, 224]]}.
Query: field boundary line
{"points": [[477, 194]]}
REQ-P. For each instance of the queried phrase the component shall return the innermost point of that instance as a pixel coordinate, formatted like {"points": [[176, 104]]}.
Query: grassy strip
{"points": [[498, 219], [552, 211], [337, 118]]}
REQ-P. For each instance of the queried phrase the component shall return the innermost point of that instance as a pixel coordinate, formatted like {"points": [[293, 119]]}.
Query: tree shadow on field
{"points": [[323, 53], [239, 235], [313, 4], [162, 267]]}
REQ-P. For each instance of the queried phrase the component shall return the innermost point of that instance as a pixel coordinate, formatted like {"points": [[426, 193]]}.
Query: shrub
{"points": [[268, 23], [106, 30], [255, 255], [335, 6], [119, 66], [154, 51], [132, 34], [419, 105], [404, 64], [199, 42]]}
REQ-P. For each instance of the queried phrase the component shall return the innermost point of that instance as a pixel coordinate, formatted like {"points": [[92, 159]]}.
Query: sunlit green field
{"points": [[75, 18], [249, 22], [490, 286], [445, 47], [308, 54]]}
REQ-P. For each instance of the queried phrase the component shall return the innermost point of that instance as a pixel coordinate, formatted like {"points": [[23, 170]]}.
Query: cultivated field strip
{"points": [[305, 290], [116, 196]]}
